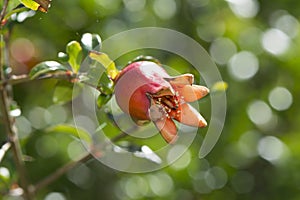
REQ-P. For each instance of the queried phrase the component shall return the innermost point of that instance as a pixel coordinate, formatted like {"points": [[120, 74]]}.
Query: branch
{"points": [[8, 121], [3, 11], [61, 171], [18, 79], [13, 139]]}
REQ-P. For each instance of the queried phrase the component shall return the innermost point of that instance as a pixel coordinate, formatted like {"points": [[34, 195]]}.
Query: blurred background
{"points": [[255, 45]]}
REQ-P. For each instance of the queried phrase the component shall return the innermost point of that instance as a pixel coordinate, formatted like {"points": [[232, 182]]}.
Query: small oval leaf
{"points": [[30, 4], [103, 58], [105, 84], [102, 100], [91, 42], [44, 68], [74, 51], [41, 5], [63, 57]]}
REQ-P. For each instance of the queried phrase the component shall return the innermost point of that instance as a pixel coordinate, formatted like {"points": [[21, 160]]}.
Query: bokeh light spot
{"points": [[270, 148], [39, 117], [81, 176], [285, 22], [55, 196], [75, 149], [136, 187], [46, 146], [4, 173], [275, 41], [161, 183], [200, 183], [280, 98], [182, 162], [244, 8], [165, 9], [23, 126], [243, 65], [22, 50], [58, 114], [259, 112], [221, 50], [210, 31], [288, 24], [134, 5], [216, 177], [247, 144]]}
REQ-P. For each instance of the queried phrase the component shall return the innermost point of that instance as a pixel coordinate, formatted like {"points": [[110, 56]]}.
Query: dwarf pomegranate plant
{"points": [[143, 89]]}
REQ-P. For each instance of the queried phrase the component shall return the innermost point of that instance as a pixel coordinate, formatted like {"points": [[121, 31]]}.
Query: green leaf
{"points": [[105, 84], [41, 5], [91, 42], [30, 4], [47, 67], [109, 65], [63, 57], [74, 51], [72, 130], [219, 86], [103, 99], [65, 92]]}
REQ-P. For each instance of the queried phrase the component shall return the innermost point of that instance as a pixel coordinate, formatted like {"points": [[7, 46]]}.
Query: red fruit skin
{"points": [[134, 83]]}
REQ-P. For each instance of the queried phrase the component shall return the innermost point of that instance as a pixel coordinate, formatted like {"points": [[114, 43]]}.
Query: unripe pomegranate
{"points": [[144, 90]]}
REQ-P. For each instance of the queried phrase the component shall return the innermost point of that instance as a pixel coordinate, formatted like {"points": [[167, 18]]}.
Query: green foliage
{"points": [[74, 51], [41, 5], [104, 59], [103, 99], [33, 5], [252, 160], [46, 68], [91, 42]]}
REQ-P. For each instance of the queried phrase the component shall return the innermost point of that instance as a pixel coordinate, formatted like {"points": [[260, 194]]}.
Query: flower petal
{"points": [[191, 93], [184, 79], [164, 92], [167, 129], [190, 116]]}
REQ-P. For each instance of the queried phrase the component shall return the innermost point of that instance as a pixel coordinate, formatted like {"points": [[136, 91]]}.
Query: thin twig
{"points": [[59, 172], [23, 78]]}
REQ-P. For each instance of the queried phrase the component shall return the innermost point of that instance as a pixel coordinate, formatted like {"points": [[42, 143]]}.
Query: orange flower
{"points": [[145, 91]]}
